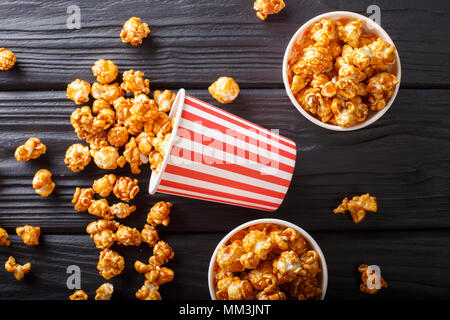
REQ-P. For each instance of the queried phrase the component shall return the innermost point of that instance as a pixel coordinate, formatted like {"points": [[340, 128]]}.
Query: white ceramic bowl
{"points": [[312, 244], [369, 26]]}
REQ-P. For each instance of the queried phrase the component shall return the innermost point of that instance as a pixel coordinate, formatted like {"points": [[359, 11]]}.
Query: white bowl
{"points": [[369, 26], [311, 242]]}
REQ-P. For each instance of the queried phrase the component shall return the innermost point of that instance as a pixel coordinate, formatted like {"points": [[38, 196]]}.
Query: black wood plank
{"points": [[403, 159], [413, 264], [194, 42]]}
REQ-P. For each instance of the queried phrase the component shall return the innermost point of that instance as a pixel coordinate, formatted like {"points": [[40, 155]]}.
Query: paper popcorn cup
{"points": [[216, 156]]}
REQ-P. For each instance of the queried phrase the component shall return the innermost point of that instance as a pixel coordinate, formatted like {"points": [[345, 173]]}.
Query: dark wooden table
{"points": [[403, 159]]}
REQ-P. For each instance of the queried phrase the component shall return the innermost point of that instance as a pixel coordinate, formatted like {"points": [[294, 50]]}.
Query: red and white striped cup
{"points": [[216, 156]]}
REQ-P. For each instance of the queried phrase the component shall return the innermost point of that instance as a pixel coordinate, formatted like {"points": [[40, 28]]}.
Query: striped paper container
{"points": [[216, 156]]}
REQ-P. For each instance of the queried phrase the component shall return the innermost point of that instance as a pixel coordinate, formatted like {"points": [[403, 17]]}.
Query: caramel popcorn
{"points": [[7, 59], [103, 233], [122, 210], [155, 159], [82, 199], [105, 71], [149, 291], [104, 292], [100, 104], [143, 108], [5, 242], [42, 183], [122, 106], [117, 136], [82, 120], [133, 81], [162, 253], [104, 119], [104, 186], [266, 7], [127, 236], [19, 271], [372, 282], [161, 143], [107, 92], [224, 90], [78, 91], [159, 214], [126, 188], [133, 156], [145, 142], [155, 274], [77, 157], [110, 264], [337, 75], [149, 235], [78, 295], [162, 125], [106, 157], [267, 262], [33, 148], [30, 235], [358, 206], [134, 31], [164, 100], [100, 208]]}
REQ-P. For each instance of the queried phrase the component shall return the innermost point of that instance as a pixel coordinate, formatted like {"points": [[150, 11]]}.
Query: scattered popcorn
{"points": [[33, 148], [7, 59], [106, 157], [104, 119], [159, 214], [126, 188], [162, 125], [104, 186], [42, 183], [162, 253], [145, 142], [19, 271], [266, 7], [77, 157], [224, 90], [100, 208], [149, 235], [133, 31], [358, 206], [103, 233], [372, 282], [164, 100], [104, 292], [148, 291], [82, 120], [133, 156], [118, 136], [78, 91], [5, 242], [127, 236], [105, 71], [155, 159], [110, 264], [78, 295], [122, 210], [155, 274], [82, 199], [107, 92], [133, 81], [143, 108], [30, 235], [100, 104]]}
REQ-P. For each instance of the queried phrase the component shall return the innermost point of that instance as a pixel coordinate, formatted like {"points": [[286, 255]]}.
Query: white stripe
{"points": [[218, 199], [218, 187], [241, 120]]}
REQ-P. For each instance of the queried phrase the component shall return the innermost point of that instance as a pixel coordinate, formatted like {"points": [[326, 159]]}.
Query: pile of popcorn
{"points": [[267, 262], [340, 73]]}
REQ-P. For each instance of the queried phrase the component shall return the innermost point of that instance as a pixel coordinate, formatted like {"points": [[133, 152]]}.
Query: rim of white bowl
{"points": [[372, 25], [312, 243]]}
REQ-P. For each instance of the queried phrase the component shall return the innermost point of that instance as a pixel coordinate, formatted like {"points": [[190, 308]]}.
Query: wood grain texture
{"points": [[193, 42]]}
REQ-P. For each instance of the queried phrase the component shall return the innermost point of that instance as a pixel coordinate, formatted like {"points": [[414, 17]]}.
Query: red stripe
{"points": [[231, 118], [216, 163], [237, 151], [213, 125], [210, 192], [221, 181], [211, 199]]}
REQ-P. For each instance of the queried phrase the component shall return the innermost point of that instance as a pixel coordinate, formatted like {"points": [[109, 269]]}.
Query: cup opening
{"points": [[174, 114]]}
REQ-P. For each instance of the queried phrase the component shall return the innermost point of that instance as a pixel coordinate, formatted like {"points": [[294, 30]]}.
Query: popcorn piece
{"points": [[266, 7], [104, 119], [106, 157], [228, 257], [149, 235], [100, 104], [159, 214], [286, 266], [103, 233], [233, 288], [162, 253], [42, 183], [107, 92], [122, 107], [161, 143], [78, 295], [122, 210], [100, 208], [82, 199], [133, 156], [126, 188], [110, 264], [4, 238], [117, 136], [82, 121], [372, 282], [145, 142], [105, 71], [262, 277], [19, 271], [317, 58], [164, 100], [31, 149], [133, 81], [149, 291], [78, 91], [104, 292], [156, 160], [7, 59], [274, 294], [381, 88], [349, 113], [162, 124], [77, 157], [224, 90], [30, 235], [104, 186], [154, 274], [324, 31], [351, 32], [127, 236], [133, 31], [143, 108], [257, 242], [358, 206]]}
